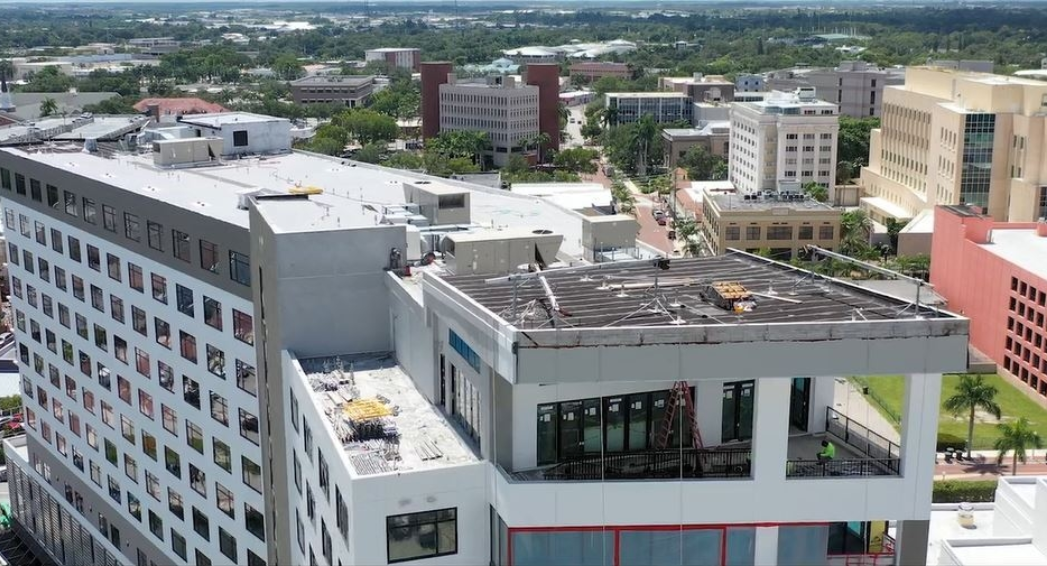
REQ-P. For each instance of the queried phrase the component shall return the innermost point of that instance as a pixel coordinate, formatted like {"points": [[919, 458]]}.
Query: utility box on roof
{"points": [[441, 204], [608, 233], [188, 152], [499, 252]]}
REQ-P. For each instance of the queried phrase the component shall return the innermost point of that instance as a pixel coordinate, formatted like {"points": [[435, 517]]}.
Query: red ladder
{"points": [[679, 391]]}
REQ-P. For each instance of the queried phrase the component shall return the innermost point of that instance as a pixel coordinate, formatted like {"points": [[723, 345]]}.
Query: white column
{"points": [[919, 436], [771, 428], [766, 551], [709, 403]]}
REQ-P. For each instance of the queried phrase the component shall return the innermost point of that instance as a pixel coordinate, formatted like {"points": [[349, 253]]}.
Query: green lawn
{"points": [[886, 393]]}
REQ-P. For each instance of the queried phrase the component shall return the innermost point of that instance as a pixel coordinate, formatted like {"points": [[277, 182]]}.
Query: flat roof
{"points": [[1022, 248], [998, 553], [887, 206], [353, 193], [737, 203], [640, 293], [219, 119], [334, 79], [106, 127], [664, 94], [354, 392]]}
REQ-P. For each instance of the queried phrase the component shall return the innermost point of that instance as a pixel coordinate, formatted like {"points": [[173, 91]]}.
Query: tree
{"points": [[367, 126], [577, 160], [370, 153], [702, 165], [972, 393], [855, 229], [49, 79], [817, 191], [114, 105], [457, 144], [1016, 437], [287, 67], [853, 141], [537, 142], [48, 107]]}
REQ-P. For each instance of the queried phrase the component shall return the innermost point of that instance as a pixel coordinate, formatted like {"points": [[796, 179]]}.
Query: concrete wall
{"points": [[412, 339], [329, 283]]}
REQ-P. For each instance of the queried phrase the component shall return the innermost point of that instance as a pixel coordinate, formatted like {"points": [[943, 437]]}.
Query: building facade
{"points": [[595, 70], [396, 57], [350, 90], [440, 412], [701, 88], [780, 225], [855, 86], [663, 107], [499, 106], [950, 137], [715, 137], [135, 327], [512, 112], [788, 139], [992, 273]]}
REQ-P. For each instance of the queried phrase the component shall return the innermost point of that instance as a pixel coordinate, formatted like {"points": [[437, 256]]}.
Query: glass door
{"points": [[571, 444], [800, 403], [737, 419]]}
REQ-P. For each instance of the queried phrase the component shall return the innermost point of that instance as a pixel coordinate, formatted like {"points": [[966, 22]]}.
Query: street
{"points": [[574, 129]]}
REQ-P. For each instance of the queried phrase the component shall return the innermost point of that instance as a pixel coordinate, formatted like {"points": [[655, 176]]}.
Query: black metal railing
{"points": [[859, 437], [663, 464], [843, 468]]}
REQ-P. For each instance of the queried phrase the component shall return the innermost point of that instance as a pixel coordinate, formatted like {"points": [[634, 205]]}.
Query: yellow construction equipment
{"points": [[366, 409], [309, 190]]}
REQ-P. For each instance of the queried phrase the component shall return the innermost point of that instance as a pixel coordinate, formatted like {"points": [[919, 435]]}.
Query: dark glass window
{"points": [[132, 227], [209, 256], [240, 268], [155, 232], [180, 241], [422, 535], [109, 218]]}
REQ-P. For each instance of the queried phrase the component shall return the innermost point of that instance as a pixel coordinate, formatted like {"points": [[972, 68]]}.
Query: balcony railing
{"points": [[843, 468], [663, 464], [859, 437]]}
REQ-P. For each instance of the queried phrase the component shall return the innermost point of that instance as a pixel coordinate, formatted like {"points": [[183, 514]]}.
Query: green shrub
{"points": [[956, 491], [946, 440]]}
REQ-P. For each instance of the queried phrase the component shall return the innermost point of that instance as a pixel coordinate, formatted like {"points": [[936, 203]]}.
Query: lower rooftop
{"points": [[384, 423]]}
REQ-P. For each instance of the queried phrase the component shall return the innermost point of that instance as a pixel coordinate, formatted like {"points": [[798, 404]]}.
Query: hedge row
{"points": [[958, 491]]}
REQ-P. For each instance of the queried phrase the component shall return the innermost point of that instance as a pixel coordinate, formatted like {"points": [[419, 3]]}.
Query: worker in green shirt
{"points": [[828, 452]]}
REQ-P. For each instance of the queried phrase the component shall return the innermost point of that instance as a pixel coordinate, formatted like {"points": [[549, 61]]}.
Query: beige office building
{"points": [[781, 224], [951, 137], [504, 107]]}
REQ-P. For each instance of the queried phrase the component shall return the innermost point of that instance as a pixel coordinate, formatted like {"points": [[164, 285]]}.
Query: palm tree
{"points": [[643, 135], [48, 107], [1016, 437], [855, 228], [972, 393]]}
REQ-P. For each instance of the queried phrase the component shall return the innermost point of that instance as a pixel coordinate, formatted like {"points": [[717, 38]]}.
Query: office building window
{"points": [[422, 535], [132, 227], [109, 218], [240, 268], [180, 242], [209, 256]]}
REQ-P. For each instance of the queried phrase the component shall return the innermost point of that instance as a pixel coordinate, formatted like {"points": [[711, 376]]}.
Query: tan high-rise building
{"points": [[952, 137]]}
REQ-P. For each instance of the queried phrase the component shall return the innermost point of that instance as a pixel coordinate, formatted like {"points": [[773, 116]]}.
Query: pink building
{"points": [[995, 273]]}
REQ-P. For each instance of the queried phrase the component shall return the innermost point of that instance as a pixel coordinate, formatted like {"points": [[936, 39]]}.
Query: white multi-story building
{"points": [[396, 57], [784, 141], [443, 413], [503, 107]]}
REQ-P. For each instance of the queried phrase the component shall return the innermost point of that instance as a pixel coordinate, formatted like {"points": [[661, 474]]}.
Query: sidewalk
{"points": [[849, 400]]}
